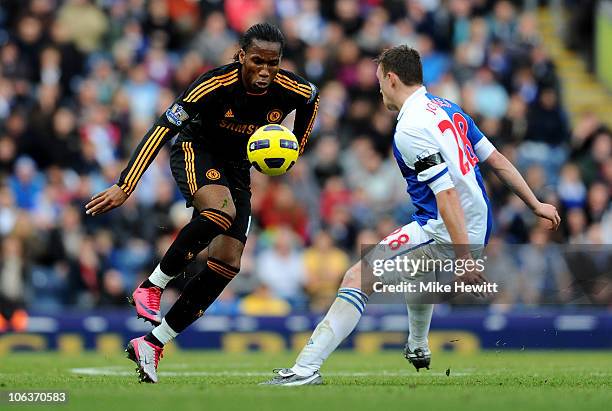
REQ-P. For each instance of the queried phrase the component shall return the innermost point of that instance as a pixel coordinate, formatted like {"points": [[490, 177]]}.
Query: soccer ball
{"points": [[272, 149]]}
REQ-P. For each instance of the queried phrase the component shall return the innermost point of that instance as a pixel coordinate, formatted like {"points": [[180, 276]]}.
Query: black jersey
{"points": [[218, 114]]}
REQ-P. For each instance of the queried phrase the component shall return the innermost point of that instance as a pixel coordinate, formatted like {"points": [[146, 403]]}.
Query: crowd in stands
{"points": [[82, 80]]}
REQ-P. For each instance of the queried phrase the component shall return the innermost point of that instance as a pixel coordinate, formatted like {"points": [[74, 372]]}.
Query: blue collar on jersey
{"points": [[421, 90]]}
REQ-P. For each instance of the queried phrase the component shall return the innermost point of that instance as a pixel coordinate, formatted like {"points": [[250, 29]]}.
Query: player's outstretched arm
{"points": [[510, 176], [140, 160], [184, 108]]}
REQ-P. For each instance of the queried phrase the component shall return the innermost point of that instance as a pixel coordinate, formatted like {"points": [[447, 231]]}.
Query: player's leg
{"points": [[205, 187], [223, 263], [215, 213], [339, 322], [222, 266], [346, 310], [416, 349], [413, 242]]}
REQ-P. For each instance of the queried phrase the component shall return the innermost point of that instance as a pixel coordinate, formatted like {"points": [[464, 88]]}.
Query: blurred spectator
{"points": [[501, 268], [143, 94], [475, 46], [281, 267], [514, 220], [544, 271], [228, 304], [572, 191], [335, 194], [546, 121], [214, 39], [27, 183], [12, 285], [8, 211], [503, 22], [308, 195], [324, 265], [342, 227], [434, 63], [85, 22], [576, 225], [514, 124], [402, 32], [63, 146], [309, 22], [82, 80], [101, 134], [261, 302], [490, 98], [280, 208], [347, 14], [158, 24], [72, 59], [113, 290], [371, 36], [598, 201], [380, 182], [581, 28], [546, 136], [325, 159]]}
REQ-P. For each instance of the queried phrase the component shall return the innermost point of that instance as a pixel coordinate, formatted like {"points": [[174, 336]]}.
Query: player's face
{"points": [[386, 88], [260, 64]]}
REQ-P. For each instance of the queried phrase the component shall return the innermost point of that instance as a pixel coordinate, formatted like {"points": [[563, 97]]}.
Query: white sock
{"points": [[419, 316], [159, 279], [164, 333], [341, 319]]}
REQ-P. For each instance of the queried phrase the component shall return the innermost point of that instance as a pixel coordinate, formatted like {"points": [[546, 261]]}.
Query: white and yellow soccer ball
{"points": [[273, 149]]}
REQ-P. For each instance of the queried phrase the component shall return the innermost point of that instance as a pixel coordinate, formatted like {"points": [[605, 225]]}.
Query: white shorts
{"points": [[409, 241], [414, 242], [410, 255]]}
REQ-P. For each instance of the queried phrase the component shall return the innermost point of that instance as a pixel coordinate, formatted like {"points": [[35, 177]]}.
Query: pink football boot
{"points": [[146, 355], [147, 302]]}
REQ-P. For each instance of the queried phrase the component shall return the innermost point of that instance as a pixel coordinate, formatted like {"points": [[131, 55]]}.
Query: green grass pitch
{"points": [[506, 380]]}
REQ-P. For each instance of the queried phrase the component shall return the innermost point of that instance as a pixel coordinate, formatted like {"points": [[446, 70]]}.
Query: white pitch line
{"points": [[120, 371]]}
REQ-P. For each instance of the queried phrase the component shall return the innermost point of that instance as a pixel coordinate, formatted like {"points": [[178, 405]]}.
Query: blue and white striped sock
{"points": [[340, 321], [354, 296]]}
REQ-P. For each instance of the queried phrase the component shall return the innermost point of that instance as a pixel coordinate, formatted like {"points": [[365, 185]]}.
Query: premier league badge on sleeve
{"points": [[177, 114]]}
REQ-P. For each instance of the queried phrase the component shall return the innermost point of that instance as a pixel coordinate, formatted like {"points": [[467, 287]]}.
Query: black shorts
{"points": [[194, 167]]}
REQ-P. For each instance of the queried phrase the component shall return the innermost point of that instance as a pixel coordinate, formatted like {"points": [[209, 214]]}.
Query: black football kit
{"points": [[214, 118]]}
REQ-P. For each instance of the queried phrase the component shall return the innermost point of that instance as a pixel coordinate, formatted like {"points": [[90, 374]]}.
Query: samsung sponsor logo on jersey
{"points": [[177, 114], [238, 127]]}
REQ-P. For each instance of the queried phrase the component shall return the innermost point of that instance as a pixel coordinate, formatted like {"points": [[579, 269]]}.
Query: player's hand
{"points": [[105, 201], [473, 276], [550, 213]]}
